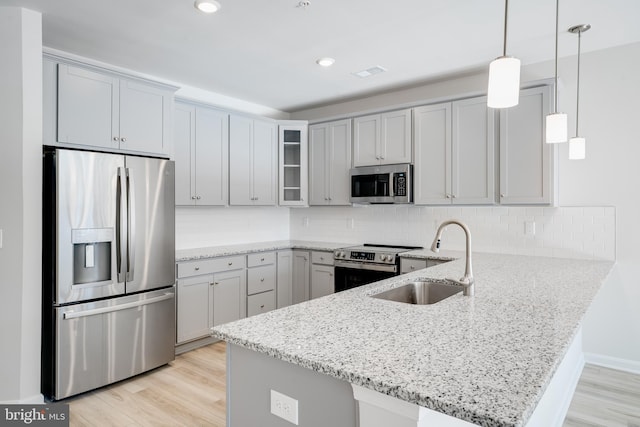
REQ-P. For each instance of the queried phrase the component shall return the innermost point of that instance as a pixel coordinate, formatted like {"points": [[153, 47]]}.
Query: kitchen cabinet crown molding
{"points": [[69, 59]]}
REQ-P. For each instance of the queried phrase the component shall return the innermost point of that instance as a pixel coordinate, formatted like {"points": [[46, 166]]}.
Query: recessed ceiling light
{"points": [[325, 62], [207, 6]]}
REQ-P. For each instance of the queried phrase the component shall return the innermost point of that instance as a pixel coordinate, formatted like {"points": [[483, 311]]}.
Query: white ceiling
{"points": [[264, 51]]}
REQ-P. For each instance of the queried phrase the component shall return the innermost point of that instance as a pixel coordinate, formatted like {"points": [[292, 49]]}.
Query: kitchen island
{"points": [[487, 360]]}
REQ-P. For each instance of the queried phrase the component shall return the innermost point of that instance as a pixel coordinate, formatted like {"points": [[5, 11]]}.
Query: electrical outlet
{"points": [[529, 228], [284, 407]]}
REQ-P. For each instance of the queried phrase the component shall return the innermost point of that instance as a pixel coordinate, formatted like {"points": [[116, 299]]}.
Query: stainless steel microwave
{"points": [[382, 184]]}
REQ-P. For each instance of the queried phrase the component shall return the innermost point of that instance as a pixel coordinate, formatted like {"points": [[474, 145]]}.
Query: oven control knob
{"points": [[336, 254], [342, 254]]}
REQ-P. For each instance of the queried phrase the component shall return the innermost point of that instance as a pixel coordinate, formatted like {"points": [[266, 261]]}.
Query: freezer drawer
{"points": [[106, 341]]}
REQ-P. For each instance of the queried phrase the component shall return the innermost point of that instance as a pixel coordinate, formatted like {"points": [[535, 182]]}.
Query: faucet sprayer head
{"points": [[435, 246]]}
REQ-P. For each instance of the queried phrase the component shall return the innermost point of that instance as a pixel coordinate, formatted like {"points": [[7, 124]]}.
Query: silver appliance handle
{"points": [[392, 268], [121, 225], [93, 312], [131, 218]]}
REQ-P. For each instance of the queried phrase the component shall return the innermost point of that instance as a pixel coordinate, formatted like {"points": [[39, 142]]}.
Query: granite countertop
{"points": [[447, 255], [486, 359], [227, 250]]}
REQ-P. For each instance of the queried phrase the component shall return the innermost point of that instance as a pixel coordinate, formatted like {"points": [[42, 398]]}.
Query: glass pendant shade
{"points": [[504, 82], [577, 148], [556, 128]]}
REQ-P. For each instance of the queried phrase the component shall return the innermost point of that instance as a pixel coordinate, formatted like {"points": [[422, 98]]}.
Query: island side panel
{"points": [[322, 400]]}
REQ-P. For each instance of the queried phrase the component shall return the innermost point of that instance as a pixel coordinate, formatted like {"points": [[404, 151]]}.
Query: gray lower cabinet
{"points": [[209, 292], [408, 265], [227, 298], [322, 274], [300, 276], [293, 277], [261, 282], [261, 303]]}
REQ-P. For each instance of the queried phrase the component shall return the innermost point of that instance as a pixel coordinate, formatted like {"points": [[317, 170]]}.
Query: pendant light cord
{"points": [[555, 110], [504, 43], [578, 84]]}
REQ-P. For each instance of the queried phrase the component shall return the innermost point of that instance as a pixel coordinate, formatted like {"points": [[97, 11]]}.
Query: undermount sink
{"points": [[421, 292]]}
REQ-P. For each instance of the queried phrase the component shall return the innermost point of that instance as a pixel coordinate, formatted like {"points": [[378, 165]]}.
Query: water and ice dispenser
{"points": [[92, 255]]}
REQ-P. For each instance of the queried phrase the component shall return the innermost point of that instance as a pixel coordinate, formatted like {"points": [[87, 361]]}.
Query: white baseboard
{"points": [[36, 399], [626, 365]]}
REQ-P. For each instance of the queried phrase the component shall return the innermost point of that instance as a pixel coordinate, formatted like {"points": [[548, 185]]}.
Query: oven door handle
{"points": [[392, 268]]}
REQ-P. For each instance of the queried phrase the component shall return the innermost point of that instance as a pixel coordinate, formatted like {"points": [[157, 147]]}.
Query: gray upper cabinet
{"points": [[455, 153], [294, 175], [253, 162], [201, 140], [473, 152], [381, 139], [101, 109], [329, 163], [527, 163]]}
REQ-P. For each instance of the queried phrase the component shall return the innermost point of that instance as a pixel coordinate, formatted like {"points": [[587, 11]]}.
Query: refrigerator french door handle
{"points": [[119, 307], [131, 221], [121, 225]]}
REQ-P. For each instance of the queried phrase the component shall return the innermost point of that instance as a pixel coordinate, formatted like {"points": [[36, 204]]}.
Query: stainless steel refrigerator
{"points": [[108, 268]]}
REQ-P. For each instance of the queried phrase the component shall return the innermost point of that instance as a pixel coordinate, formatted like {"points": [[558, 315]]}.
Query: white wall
{"points": [[20, 209], [609, 112]]}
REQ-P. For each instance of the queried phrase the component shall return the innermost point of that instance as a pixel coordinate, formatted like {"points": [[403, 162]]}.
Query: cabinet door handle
{"points": [[229, 263], [502, 195], [197, 268], [198, 197], [448, 196], [453, 196], [123, 139], [412, 267], [115, 138], [261, 259], [193, 197], [262, 280], [215, 283], [262, 306]]}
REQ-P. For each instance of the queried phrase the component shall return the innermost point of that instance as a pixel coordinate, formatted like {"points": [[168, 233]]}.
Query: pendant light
{"points": [[556, 123], [504, 75], [577, 145]]}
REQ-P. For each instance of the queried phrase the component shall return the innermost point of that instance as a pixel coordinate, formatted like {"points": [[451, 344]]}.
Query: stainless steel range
{"points": [[360, 265]]}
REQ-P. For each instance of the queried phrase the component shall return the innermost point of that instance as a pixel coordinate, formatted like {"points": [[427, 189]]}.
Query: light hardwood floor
{"points": [[605, 397], [190, 391]]}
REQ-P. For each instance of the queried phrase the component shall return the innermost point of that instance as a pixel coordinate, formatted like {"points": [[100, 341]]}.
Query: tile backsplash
{"points": [[217, 226], [571, 232]]}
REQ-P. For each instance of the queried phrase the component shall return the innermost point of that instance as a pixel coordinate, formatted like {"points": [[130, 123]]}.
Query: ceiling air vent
{"points": [[370, 71]]}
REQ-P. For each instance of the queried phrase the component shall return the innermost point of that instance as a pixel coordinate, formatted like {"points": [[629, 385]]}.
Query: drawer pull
{"points": [[197, 268], [230, 263], [261, 259], [262, 306], [262, 279]]}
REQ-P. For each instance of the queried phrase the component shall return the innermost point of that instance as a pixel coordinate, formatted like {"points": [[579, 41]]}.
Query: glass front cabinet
{"points": [[293, 177]]}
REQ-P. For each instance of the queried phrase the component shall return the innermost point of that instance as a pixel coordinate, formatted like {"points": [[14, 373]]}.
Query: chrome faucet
{"points": [[466, 281]]}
